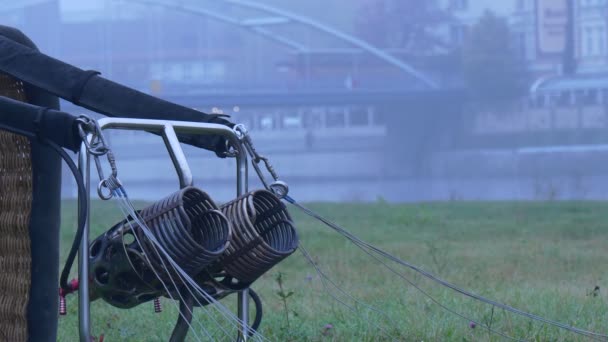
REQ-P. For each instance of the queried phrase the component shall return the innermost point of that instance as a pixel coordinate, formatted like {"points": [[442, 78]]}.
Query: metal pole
{"points": [[243, 296], [186, 306], [177, 157], [84, 317]]}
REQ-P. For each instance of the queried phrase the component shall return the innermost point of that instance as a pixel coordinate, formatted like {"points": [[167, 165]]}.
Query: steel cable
{"points": [[191, 285], [364, 245], [189, 227]]}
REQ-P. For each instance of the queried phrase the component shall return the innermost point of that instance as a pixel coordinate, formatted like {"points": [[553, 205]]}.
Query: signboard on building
{"points": [[551, 26]]}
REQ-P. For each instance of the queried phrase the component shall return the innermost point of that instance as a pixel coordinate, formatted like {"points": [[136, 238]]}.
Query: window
{"points": [[292, 120], [595, 41], [379, 118], [335, 117], [588, 41], [197, 71], [457, 34], [591, 3], [521, 5], [359, 116], [460, 4], [588, 97], [215, 71], [313, 117], [192, 71], [266, 121], [156, 71], [537, 102], [601, 40], [175, 72]]}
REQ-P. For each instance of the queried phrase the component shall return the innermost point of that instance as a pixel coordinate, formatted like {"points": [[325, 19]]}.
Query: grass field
{"points": [[545, 258]]}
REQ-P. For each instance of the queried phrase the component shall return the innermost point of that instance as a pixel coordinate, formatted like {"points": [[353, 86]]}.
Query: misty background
{"points": [[357, 100]]}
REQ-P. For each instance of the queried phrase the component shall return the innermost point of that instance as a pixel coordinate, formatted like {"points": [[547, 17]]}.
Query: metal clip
{"points": [[112, 183], [278, 187], [97, 147]]}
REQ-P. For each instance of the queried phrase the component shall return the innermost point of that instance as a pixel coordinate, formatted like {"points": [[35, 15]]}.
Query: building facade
{"points": [[541, 30], [591, 32]]}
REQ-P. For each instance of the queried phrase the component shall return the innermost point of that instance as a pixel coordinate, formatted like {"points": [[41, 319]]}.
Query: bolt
{"points": [[158, 307], [62, 306]]}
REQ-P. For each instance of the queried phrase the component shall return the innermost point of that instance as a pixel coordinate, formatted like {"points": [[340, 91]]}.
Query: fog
{"points": [[357, 100]]}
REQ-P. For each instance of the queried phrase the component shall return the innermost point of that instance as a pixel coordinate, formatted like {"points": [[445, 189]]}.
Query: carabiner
{"points": [[97, 145], [277, 187]]}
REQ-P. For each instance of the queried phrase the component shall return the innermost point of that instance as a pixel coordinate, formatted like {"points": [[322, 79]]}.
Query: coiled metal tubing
{"points": [[190, 227], [187, 224], [264, 235]]}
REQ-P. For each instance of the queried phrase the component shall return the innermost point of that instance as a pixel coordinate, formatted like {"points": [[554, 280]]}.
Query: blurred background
{"points": [[358, 100]]}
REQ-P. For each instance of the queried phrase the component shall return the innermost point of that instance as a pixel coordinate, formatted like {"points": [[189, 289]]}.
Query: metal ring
{"points": [[104, 185], [279, 189]]}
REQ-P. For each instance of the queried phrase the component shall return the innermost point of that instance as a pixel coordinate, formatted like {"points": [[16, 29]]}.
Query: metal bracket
{"points": [[168, 130]]}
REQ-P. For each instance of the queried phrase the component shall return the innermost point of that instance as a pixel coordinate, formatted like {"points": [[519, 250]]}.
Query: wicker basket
{"points": [[15, 209]]}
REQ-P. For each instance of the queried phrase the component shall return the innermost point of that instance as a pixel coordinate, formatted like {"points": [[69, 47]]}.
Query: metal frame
{"points": [[168, 130]]}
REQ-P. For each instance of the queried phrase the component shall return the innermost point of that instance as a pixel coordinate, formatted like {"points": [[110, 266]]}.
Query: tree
{"points": [[492, 69], [406, 24]]}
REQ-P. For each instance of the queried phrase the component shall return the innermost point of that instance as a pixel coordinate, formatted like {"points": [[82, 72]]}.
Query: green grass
{"points": [[541, 257]]}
